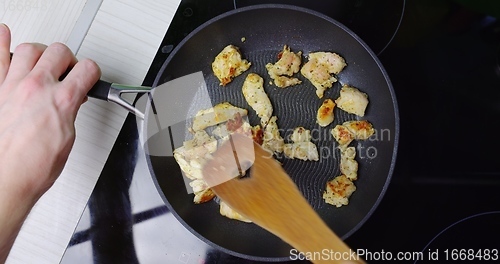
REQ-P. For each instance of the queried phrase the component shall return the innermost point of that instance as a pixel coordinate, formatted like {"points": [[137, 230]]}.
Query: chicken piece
{"points": [[325, 113], [272, 140], [285, 81], [301, 150], [332, 61], [258, 134], [342, 135], [349, 153], [348, 164], [319, 69], [302, 147], [228, 212], [202, 138], [215, 115], [203, 196], [352, 100], [360, 129], [192, 155], [199, 147], [189, 171], [220, 131], [228, 64], [237, 124], [300, 134], [202, 193], [256, 97], [318, 76], [288, 64], [338, 191], [198, 185]]}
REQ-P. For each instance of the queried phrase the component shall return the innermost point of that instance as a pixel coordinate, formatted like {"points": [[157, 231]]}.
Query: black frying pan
{"points": [[266, 29]]}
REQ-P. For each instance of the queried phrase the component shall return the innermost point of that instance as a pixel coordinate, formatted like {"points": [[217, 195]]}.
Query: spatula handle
{"points": [[271, 200], [311, 236]]}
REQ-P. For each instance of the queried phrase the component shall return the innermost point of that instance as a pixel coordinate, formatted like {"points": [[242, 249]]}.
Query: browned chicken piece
{"points": [[285, 81], [228, 64], [360, 129], [342, 135], [287, 65], [319, 69], [325, 113], [203, 196], [258, 134], [338, 191]]}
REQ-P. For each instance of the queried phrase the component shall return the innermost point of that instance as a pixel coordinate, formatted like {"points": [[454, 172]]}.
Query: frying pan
{"points": [[265, 29]]}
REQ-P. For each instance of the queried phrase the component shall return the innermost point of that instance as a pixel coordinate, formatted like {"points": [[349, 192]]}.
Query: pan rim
{"points": [[372, 55]]}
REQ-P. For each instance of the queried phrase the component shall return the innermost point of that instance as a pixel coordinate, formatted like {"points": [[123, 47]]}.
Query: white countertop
{"points": [[122, 36]]}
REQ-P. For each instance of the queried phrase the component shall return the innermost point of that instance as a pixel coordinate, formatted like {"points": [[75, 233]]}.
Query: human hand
{"points": [[37, 114]]}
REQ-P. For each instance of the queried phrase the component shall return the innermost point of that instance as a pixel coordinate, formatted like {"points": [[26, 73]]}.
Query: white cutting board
{"points": [[122, 36]]}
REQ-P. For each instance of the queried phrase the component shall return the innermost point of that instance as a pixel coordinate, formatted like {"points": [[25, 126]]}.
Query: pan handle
{"points": [[112, 92]]}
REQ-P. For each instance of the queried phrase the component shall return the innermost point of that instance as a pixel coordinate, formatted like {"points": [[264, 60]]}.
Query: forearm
{"points": [[18, 191], [13, 211]]}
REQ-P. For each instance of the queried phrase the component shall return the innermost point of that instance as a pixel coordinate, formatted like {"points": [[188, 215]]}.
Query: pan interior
{"points": [[266, 29]]}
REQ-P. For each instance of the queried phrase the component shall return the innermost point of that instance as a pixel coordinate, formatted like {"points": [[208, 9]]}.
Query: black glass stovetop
{"points": [[443, 58]]}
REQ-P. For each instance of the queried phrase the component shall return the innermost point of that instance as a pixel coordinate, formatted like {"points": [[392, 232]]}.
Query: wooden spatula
{"points": [[271, 199]]}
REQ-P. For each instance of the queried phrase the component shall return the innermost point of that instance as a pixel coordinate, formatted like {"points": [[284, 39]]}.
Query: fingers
{"points": [[55, 61], [78, 82], [25, 57], [51, 62], [5, 39], [47, 65]]}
